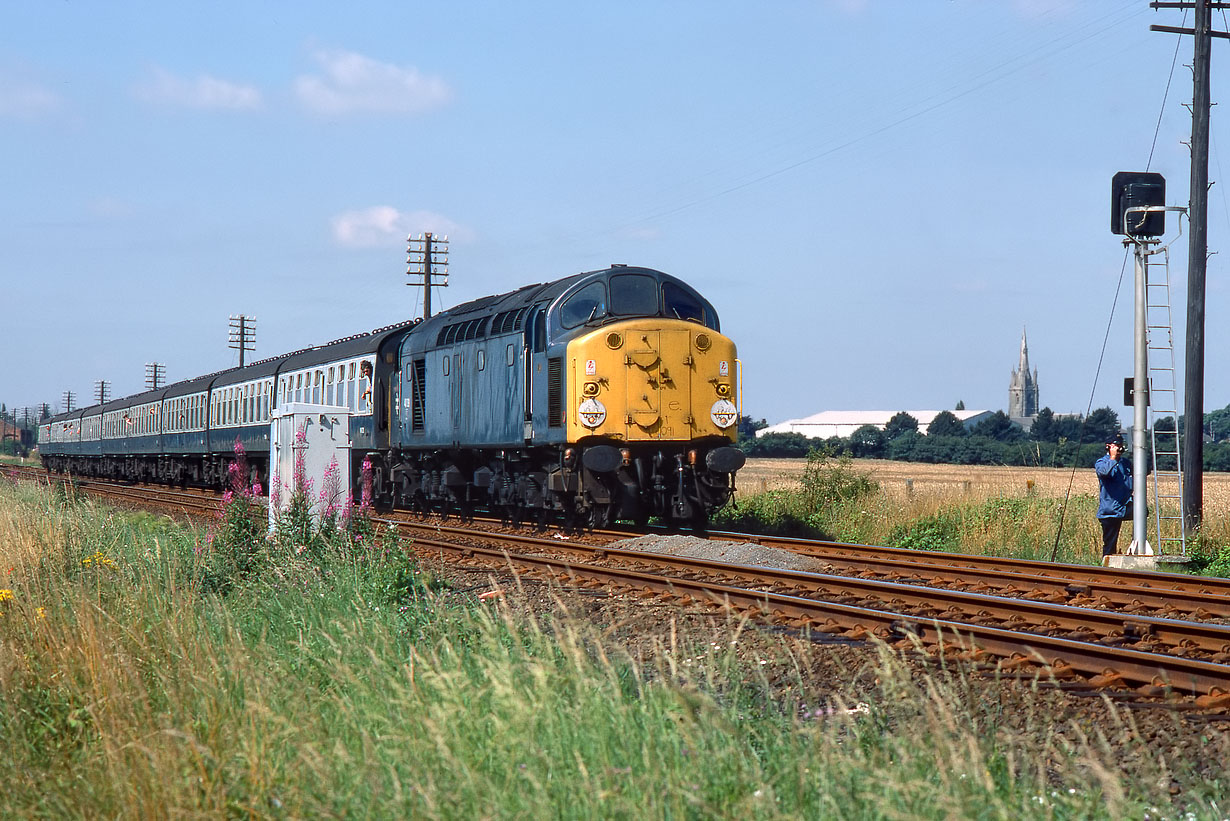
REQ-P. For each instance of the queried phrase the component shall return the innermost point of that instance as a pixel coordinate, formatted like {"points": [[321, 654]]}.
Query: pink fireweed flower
{"points": [[365, 499]]}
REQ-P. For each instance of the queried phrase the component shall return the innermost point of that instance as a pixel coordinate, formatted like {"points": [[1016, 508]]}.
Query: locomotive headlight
{"points": [[723, 413], [591, 412], [723, 390], [589, 389]]}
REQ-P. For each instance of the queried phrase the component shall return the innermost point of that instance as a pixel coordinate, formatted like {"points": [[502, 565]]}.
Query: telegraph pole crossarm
{"points": [[427, 257]]}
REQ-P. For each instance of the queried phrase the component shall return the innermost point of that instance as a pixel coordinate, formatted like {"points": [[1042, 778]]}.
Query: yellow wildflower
{"points": [[99, 558], [6, 595]]}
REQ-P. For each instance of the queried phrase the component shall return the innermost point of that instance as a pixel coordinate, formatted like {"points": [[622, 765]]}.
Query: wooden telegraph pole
{"points": [[427, 257], [1197, 254]]}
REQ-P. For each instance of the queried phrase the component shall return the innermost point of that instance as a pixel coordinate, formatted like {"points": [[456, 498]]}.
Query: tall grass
{"points": [[837, 500], [362, 690]]}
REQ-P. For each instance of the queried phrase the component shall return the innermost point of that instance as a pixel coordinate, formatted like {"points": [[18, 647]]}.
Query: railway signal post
{"points": [[1138, 212]]}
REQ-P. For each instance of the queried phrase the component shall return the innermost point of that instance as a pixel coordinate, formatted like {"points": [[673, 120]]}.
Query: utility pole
{"points": [[102, 391], [1197, 254], [156, 375], [243, 335], [427, 257]]}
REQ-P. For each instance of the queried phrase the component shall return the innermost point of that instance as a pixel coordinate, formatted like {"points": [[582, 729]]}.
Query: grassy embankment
{"points": [[332, 679], [995, 512]]}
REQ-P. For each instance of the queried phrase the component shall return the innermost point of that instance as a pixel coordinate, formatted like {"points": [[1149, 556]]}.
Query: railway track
{"points": [[1148, 655], [1148, 635]]}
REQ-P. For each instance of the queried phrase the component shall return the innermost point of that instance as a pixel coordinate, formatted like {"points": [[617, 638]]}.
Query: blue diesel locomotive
{"points": [[606, 394]]}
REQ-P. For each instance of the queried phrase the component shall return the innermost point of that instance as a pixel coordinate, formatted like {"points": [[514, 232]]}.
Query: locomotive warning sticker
{"points": [[723, 368], [592, 413], [591, 367]]}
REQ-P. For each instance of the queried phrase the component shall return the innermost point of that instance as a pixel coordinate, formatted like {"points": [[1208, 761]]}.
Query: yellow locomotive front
{"points": [[653, 380], [653, 414]]}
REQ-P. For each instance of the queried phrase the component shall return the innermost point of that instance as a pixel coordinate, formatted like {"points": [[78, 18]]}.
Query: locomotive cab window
{"points": [[586, 304], [680, 304], [634, 295]]}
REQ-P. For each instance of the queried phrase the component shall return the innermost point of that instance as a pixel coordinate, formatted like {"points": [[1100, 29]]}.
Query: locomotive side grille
{"points": [[555, 392], [418, 393]]}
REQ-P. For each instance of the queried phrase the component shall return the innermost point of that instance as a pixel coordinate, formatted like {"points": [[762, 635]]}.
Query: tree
{"points": [[748, 426], [899, 424], [1217, 424], [946, 423], [960, 405], [999, 427], [867, 441], [1044, 428], [1101, 426]]}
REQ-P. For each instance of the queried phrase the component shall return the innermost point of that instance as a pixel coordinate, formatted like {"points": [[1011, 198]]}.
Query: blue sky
{"points": [[877, 197]]}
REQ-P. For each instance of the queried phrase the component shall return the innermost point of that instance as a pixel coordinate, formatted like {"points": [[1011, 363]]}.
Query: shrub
{"points": [[236, 542]]}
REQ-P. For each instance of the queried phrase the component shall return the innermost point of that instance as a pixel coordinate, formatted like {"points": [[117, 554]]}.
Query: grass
{"points": [[1019, 512], [362, 687]]}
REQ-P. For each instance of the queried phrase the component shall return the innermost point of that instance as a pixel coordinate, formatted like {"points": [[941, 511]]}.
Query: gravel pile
{"points": [[732, 552]]}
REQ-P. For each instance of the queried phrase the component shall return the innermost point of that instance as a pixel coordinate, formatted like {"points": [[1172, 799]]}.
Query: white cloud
{"points": [[352, 82], [383, 226], [25, 100], [201, 92]]}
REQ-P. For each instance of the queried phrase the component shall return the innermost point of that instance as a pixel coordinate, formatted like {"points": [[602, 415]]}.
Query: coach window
{"points": [[316, 383], [365, 386]]}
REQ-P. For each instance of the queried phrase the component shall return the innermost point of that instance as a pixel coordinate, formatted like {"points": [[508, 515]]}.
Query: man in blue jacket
{"points": [[1115, 498]]}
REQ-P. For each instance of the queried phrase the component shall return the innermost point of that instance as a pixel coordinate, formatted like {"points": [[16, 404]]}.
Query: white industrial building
{"points": [[843, 423]]}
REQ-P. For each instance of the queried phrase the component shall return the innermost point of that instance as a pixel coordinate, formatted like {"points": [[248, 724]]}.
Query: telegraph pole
{"points": [[243, 335], [102, 391], [1197, 253], [156, 375], [427, 257], [69, 399]]}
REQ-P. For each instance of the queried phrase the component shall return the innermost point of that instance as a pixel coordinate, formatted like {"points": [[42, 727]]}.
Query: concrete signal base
{"points": [[1128, 561]]}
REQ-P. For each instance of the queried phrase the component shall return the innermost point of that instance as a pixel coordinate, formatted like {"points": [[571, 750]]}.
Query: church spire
{"points": [[1023, 389]]}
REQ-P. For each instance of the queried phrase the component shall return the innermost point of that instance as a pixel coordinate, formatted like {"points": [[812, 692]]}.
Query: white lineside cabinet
{"points": [[326, 437]]}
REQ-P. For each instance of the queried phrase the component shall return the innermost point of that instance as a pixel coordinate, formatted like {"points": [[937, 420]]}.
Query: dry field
{"points": [[951, 482]]}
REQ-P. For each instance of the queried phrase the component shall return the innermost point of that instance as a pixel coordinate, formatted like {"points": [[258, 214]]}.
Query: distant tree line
{"points": [[1052, 441]]}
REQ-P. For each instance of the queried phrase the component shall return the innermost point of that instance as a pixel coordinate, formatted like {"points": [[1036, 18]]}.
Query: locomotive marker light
{"points": [[1138, 213]]}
